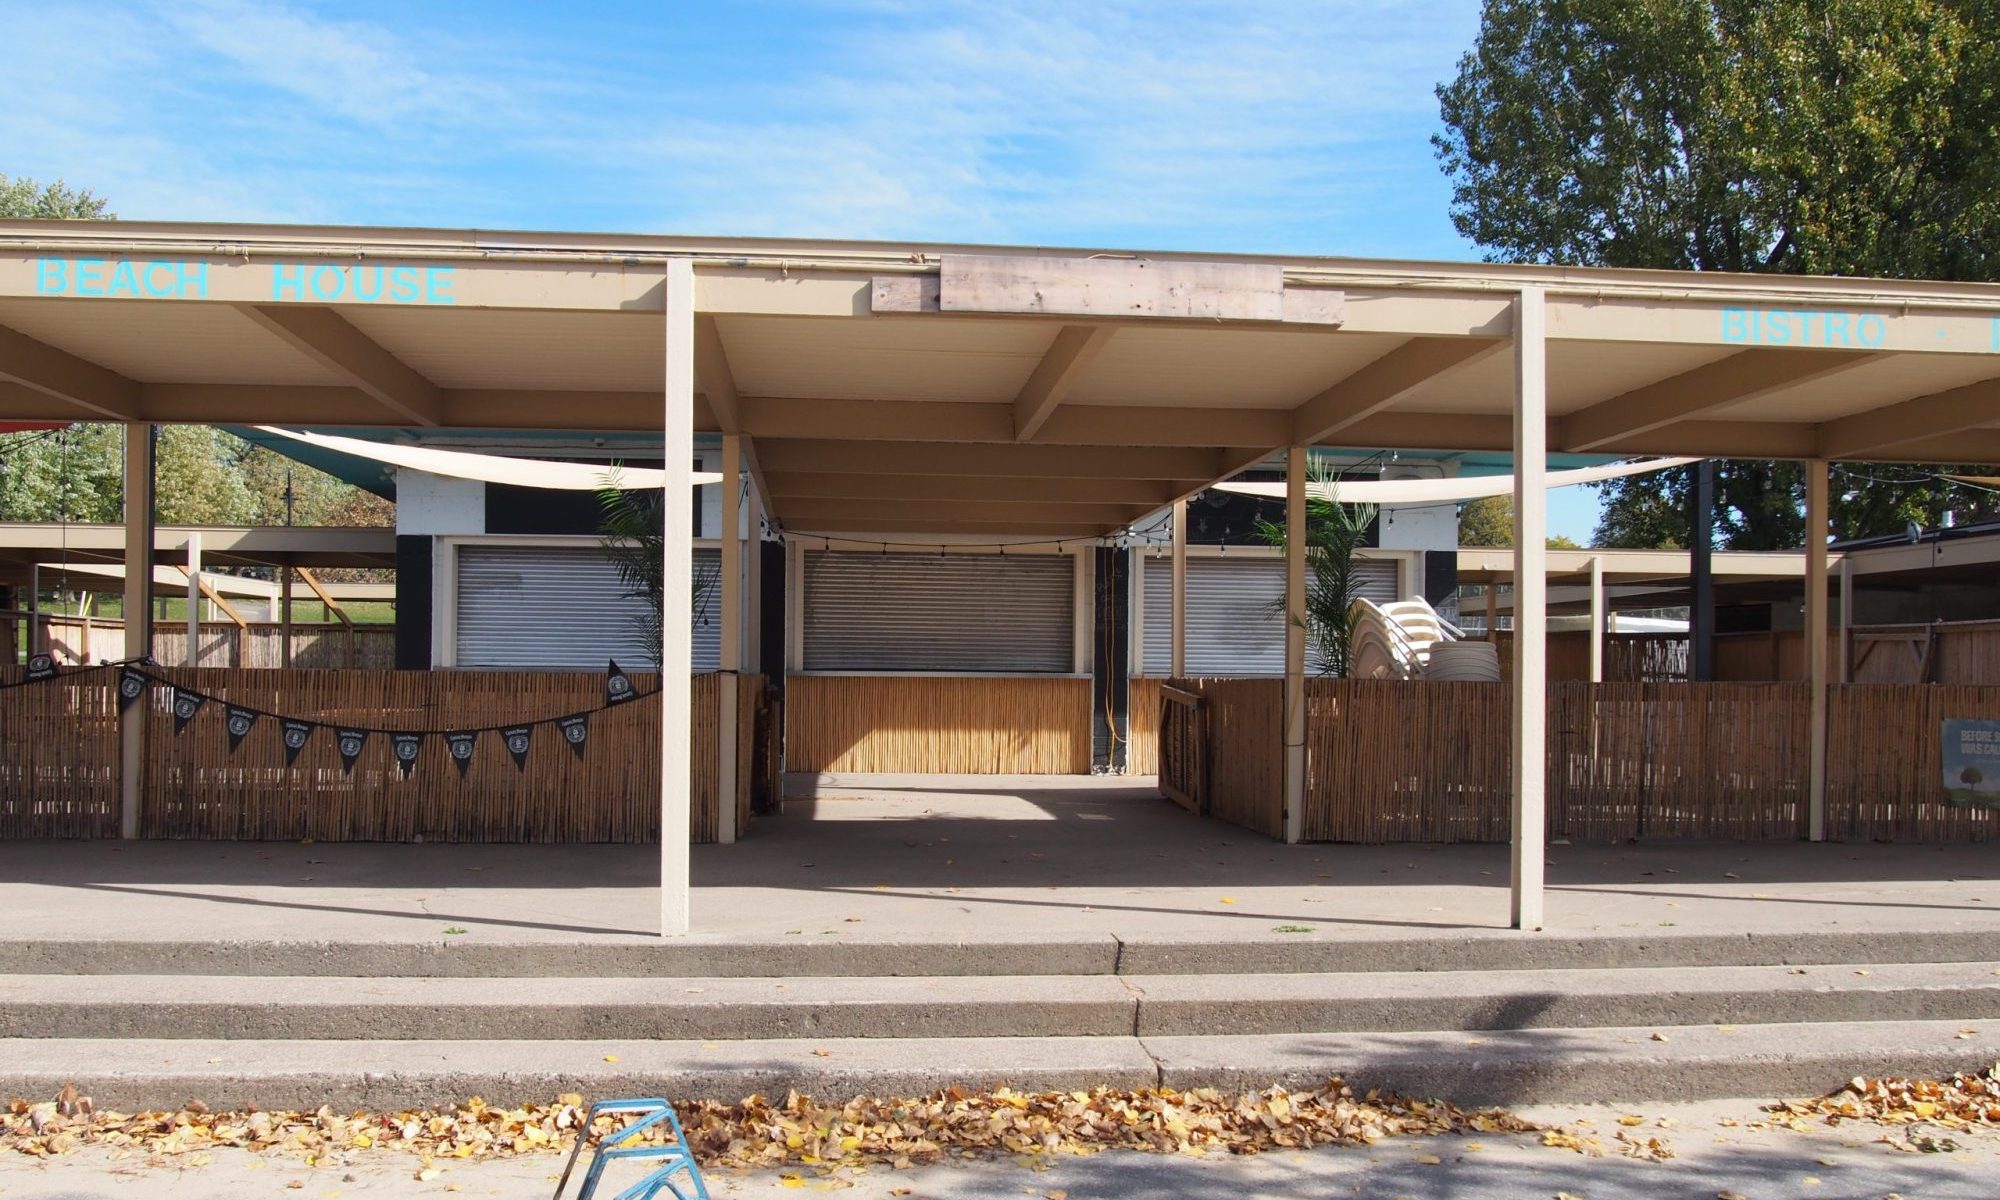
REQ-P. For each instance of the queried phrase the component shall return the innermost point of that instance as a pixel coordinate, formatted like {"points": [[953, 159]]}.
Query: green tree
{"points": [[21, 197], [1489, 521], [74, 475], [197, 479], [1844, 137], [1333, 532]]}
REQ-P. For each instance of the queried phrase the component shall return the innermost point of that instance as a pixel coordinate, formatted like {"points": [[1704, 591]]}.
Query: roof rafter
{"points": [[1382, 382], [1939, 414], [327, 338], [1071, 351], [76, 382], [1741, 376]]}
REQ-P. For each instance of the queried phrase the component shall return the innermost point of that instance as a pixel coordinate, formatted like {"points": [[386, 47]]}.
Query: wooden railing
{"points": [[1183, 748]]}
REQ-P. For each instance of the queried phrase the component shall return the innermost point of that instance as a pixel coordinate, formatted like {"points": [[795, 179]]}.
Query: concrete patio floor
{"points": [[880, 859]]}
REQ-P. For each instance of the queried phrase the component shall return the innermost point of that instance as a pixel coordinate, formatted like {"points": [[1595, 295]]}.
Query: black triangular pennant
{"points": [[350, 742], [461, 746], [41, 666], [240, 721], [297, 734], [617, 686], [575, 731], [407, 746], [132, 684], [186, 705], [517, 738]]}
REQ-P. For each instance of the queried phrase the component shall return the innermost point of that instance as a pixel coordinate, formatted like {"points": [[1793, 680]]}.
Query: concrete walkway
{"points": [[955, 859]]}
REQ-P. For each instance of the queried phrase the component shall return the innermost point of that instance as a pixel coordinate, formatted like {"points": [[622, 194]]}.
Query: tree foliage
{"points": [[21, 197], [632, 534], [1489, 521], [1334, 531], [1839, 137]]}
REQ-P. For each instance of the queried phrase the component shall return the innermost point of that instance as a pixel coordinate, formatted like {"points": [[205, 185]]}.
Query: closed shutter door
{"points": [[1234, 623], [925, 612], [563, 608]]}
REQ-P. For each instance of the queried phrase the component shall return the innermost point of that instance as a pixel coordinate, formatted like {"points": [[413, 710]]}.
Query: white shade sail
{"points": [[493, 468], [1461, 487]]}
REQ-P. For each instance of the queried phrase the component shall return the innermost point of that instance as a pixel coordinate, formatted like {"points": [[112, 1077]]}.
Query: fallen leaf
{"points": [[1227, 900], [611, 1058], [1429, 1160], [822, 1052]]}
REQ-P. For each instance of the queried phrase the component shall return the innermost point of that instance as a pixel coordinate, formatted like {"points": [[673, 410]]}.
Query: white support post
{"points": [[1531, 622], [1295, 643], [1816, 633], [194, 599], [138, 618], [676, 642], [37, 629], [1179, 616], [732, 637], [1596, 619], [285, 617]]}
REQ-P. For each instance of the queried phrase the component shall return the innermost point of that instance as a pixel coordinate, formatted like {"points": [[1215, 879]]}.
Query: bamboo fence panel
{"points": [[59, 756], [973, 725], [196, 788], [1245, 723], [1688, 760], [1142, 727], [1395, 761], [1884, 773]]}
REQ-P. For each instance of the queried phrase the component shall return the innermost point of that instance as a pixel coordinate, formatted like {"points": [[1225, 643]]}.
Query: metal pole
{"points": [[1295, 643], [1531, 623], [676, 649], [138, 612], [1701, 562], [1816, 643]]}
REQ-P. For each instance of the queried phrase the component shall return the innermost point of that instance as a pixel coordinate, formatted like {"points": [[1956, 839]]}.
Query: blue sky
{"points": [[1277, 126]]}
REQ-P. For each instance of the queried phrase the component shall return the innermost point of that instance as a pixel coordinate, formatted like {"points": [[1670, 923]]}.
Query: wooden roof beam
{"points": [[814, 485], [1744, 375], [1071, 351], [327, 338], [785, 455], [856, 513], [1382, 382], [946, 421], [713, 377], [76, 382], [1940, 414], [933, 533]]}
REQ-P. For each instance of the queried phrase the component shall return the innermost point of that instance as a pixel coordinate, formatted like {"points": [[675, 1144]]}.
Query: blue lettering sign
{"points": [[311, 283], [1808, 327]]}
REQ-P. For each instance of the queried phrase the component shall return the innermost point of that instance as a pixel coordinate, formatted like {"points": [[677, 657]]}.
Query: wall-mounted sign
{"points": [[1972, 763], [290, 283]]}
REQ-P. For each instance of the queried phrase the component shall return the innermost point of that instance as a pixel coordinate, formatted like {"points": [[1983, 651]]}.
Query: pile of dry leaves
{"points": [[1965, 1100], [798, 1130]]}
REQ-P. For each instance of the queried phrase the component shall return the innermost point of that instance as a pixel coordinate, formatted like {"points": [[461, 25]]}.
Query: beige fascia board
{"points": [[1741, 376]]}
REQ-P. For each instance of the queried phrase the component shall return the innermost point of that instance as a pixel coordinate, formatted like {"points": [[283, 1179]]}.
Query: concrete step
{"points": [[1624, 1065], [1333, 949], [1027, 1006]]}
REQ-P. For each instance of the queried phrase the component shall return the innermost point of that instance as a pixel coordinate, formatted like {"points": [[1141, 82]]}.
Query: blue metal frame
{"points": [[673, 1158]]}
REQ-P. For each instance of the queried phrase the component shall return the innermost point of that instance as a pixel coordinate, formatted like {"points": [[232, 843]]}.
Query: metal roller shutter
{"points": [[1233, 625], [927, 612], [562, 608]]}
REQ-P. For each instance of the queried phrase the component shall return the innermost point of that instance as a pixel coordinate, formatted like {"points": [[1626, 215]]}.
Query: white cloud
{"points": [[1260, 124]]}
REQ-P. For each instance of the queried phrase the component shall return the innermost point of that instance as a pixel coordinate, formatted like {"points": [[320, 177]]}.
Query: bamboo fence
{"points": [[1687, 760], [1142, 727], [1884, 772], [975, 725], [59, 756], [1393, 761], [196, 788], [1245, 725]]}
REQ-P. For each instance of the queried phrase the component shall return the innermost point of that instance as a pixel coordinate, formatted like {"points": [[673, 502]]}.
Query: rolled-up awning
{"points": [[1461, 487], [494, 468]]}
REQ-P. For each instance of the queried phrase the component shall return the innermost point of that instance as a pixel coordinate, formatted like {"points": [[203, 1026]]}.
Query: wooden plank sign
{"points": [[1115, 288]]}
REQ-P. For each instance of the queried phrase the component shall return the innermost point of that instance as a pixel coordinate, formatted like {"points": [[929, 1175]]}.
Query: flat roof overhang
{"points": [[978, 392]]}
